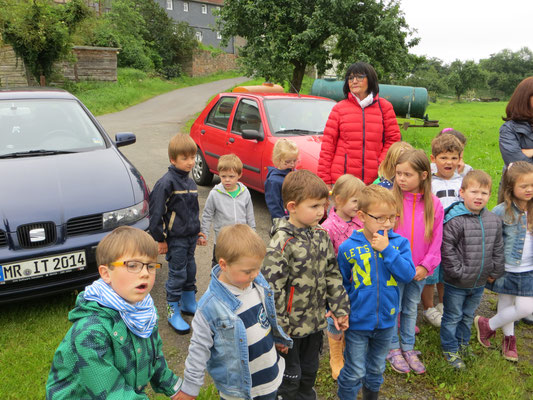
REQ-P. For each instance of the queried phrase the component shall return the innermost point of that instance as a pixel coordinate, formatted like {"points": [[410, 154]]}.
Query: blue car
{"points": [[63, 186]]}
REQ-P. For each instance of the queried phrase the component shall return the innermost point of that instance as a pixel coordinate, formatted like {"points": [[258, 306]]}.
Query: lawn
{"points": [[31, 331]]}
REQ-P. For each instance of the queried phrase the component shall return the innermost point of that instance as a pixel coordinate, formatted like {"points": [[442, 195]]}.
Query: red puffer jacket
{"points": [[356, 140]]}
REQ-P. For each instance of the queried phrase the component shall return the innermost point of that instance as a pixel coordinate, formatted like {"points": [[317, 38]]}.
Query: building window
{"points": [[199, 36], [185, 6], [204, 8], [169, 5], [219, 35]]}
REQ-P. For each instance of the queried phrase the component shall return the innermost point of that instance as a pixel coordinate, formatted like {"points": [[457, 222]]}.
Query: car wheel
{"points": [[200, 172]]}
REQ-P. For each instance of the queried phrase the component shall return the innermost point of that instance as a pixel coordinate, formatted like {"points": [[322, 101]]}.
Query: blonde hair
{"points": [[301, 185], [283, 149], [229, 162], [511, 175], [181, 144], [373, 194], [235, 241], [387, 168], [446, 143], [125, 240], [418, 160], [346, 187]]}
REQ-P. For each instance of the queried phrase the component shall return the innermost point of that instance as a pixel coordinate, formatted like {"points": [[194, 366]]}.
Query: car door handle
{"points": [[202, 131], [231, 140]]}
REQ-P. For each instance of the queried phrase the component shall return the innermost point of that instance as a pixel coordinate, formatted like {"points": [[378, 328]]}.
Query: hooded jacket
{"points": [[100, 358], [221, 209], [174, 209], [356, 139], [412, 227], [338, 229], [371, 277], [273, 183], [472, 247], [301, 268]]}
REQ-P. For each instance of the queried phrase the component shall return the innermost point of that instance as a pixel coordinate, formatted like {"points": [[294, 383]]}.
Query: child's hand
{"points": [[490, 279], [421, 273], [201, 239], [282, 348], [341, 323], [162, 247], [182, 396], [461, 166], [380, 242]]}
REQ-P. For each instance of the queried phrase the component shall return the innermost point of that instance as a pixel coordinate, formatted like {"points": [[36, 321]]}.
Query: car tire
{"points": [[200, 172]]}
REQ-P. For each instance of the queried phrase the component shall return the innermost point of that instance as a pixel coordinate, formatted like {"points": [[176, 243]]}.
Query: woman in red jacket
{"points": [[360, 129]]}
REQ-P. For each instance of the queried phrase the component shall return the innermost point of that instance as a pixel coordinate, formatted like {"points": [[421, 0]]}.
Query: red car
{"points": [[249, 124]]}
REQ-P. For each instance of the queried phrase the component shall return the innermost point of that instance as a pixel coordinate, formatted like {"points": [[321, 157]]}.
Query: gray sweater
{"points": [[221, 209]]}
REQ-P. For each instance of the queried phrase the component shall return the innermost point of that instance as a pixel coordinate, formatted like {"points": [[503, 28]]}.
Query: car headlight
{"points": [[125, 216]]}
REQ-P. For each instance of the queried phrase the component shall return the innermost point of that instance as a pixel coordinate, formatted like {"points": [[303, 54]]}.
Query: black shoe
{"points": [[369, 394]]}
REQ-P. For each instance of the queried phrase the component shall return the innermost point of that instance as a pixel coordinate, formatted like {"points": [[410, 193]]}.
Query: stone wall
{"points": [[92, 63], [12, 70], [204, 63]]}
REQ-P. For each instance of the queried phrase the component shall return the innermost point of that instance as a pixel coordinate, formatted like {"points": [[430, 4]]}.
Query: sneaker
{"points": [[397, 362], [454, 360], [484, 333], [411, 356], [417, 330], [440, 308], [433, 316], [509, 348]]}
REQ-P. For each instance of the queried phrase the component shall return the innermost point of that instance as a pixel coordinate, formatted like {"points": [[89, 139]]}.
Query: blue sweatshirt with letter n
{"points": [[371, 279]]}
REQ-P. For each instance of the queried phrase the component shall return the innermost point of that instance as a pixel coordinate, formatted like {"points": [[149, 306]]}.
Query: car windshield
{"points": [[46, 126], [297, 116]]}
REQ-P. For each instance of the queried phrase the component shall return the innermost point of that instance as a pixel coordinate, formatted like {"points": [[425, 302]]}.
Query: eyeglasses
{"points": [[358, 77], [383, 219], [136, 266]]}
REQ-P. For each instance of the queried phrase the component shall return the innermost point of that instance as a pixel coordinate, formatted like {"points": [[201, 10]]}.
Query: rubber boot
{"points": [[369, 394], [336, 357], [175, 320], [188, 302]]}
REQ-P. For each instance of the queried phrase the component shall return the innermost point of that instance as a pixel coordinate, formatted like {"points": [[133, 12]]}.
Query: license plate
{"points": [[39, 267]]}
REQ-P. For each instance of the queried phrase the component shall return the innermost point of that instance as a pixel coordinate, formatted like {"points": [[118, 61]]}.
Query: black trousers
{"points": [[301, 367]]}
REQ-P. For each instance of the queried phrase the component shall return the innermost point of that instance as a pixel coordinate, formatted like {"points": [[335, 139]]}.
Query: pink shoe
{"points": [[397, 362], [509, 351], [417, 330], [484, 333], [411, 356]]}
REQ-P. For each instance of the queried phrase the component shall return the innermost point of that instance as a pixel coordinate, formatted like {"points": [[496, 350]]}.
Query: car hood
{"points": [[309, 145], [59, 187]]}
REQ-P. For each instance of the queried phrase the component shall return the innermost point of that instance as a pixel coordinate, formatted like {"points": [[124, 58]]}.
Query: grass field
{"points": [[30, 333]]}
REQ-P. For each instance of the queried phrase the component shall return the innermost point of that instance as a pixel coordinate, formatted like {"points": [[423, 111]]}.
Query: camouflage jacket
{"points": [[99, 358], [302, 270]]}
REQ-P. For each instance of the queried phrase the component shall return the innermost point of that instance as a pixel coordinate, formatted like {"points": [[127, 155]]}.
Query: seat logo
{"points": [[37, 235]]}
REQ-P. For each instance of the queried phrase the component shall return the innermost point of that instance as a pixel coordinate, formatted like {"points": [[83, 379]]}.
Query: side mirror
{"points": [[252, 134], [124, 139]]}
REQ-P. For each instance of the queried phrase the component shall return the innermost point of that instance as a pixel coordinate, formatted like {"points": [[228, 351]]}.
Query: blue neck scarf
{"points": [[140, 318]]}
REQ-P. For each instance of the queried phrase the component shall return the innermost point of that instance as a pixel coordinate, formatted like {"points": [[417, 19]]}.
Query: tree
{"points": [[286, 36], [40, 31], [429, 73], [465, 76]]}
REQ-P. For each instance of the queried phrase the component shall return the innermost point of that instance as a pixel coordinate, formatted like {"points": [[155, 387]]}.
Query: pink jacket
{"points": [[426, 254], [339, 230]]}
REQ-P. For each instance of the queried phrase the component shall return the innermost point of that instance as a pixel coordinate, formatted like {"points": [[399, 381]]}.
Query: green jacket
{"points": [[301, 268], [99, 358]]}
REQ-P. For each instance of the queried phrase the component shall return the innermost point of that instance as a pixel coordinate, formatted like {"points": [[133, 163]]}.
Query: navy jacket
{"points": [[371, 279], [273, 183], [174, 209], [515, 136]]}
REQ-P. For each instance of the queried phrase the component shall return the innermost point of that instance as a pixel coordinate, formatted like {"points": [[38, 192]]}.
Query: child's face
{"points": [[229, 179], [131, 286], [240, 273], [475, 197], [446, 164], [408, 179], [348, 209], [184, 162], [307, 213], [523, 188], [289, 162], [371, 218]]}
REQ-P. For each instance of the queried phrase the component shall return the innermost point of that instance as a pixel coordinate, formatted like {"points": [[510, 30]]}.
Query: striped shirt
{"points": [[266, 366]]}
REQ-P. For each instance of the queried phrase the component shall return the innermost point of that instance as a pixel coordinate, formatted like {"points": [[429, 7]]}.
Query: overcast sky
{"points": [[469, 29]]}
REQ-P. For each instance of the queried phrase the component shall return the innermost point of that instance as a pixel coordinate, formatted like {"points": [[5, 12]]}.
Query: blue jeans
{"points": [[459, 308], [181, 267], [409, 298], [364, 361]]}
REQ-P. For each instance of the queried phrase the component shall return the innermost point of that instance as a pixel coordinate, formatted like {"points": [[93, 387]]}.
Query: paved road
{"points": [[154, 122]]}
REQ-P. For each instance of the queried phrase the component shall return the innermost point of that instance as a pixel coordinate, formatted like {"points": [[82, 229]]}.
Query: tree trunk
{"points": [[42, 81], [297, 77]]}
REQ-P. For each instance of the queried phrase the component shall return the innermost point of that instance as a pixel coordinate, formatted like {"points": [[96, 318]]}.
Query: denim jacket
{"points": [[514, 233], [219, 341]]}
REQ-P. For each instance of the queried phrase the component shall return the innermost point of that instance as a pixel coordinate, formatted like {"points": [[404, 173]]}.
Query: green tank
{"points": [[407, 101]]}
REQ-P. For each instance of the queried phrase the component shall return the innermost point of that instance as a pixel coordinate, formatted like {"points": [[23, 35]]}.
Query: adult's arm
{"points": [[329, 145], [392, 129], [510, 146]]}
